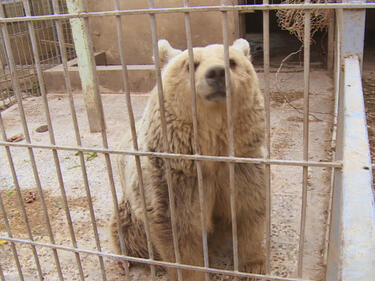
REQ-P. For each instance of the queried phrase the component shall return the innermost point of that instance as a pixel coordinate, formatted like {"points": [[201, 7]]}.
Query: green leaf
{"points": [[91, 156], [73, 167]]}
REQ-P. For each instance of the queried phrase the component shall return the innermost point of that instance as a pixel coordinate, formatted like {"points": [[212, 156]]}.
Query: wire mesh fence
{"points": [[21, 44]]}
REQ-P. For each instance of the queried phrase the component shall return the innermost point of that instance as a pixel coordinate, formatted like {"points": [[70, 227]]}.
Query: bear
{"points": [[248, 118]]}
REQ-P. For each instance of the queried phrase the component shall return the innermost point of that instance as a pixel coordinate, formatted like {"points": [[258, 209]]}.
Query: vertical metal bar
{"points": [[335, 135], [125, 80], [54, 34], [12, 244], [224, 20], [202, 200], [165, 138], [17, 91], [52, 137], [17, 36], [266, 60], [20, 199], [42, 29], [85, 59], [26, 48], [91, 68], [64, 60], [306, 72], [331, 42]]}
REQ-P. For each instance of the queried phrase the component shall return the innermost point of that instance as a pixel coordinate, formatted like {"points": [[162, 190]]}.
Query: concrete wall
{"points": [[206, 28]]}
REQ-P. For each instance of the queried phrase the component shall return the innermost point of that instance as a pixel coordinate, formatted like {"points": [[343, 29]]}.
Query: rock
{"points": [[42, 129]]}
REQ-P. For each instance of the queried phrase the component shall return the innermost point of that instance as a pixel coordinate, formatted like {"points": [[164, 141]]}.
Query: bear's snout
{"points": [[215, 77], [215, 83]]}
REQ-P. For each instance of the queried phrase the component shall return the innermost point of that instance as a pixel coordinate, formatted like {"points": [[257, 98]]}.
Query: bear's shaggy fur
{"points": [[248, 130]]}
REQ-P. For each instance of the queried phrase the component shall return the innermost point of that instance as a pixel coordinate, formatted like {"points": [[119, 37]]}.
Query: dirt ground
{"points": [[368, 81], [286, 143]]}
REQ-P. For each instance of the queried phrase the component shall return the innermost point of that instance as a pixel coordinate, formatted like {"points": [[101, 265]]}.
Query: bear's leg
{"points": [[190, 246], [250, 251], [132, 231], [191, 253]]}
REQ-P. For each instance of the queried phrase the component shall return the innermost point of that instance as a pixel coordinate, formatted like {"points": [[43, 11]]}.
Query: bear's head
{"points": [[210, 82]]}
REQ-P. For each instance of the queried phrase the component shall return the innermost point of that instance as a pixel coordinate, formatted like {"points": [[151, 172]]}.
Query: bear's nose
{"points": [[215, 76]]}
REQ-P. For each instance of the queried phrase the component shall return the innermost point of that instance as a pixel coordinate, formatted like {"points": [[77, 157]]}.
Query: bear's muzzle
{"points": [[215, 79]]}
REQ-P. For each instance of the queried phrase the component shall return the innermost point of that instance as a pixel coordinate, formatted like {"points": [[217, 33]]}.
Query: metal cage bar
{"points": [[197, 150], [156, 262], [125, 79], [52, 138], [165, 138], [16, 88], [224, 20], [297, 163], [228, 8], [341, 168], [64, 60], [19, 196], [12, 244], [306, 77], [266, 66]]}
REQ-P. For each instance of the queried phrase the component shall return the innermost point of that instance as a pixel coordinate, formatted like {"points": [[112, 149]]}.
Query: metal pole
{"points": [[197, 151], [134, 137], [266, 58], [306, 73], [85, 60]]}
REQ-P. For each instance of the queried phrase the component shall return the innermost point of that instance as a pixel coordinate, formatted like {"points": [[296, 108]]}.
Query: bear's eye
{"points": [[196, 64], [232, 63]]}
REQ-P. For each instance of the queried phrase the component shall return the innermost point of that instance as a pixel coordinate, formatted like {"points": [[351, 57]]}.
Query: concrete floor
{"points": [[287, 143]]}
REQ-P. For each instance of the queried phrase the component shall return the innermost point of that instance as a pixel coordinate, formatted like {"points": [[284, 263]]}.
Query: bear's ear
{"points": [[243, 46], [166, 52]]}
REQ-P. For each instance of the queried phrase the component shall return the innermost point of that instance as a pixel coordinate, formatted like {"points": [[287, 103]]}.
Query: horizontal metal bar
{"points": [[258, 7], [230, 159], [153, 262]]}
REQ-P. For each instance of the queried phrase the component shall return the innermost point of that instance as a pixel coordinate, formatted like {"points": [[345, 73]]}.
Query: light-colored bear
{"points": [[248, 130]]}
